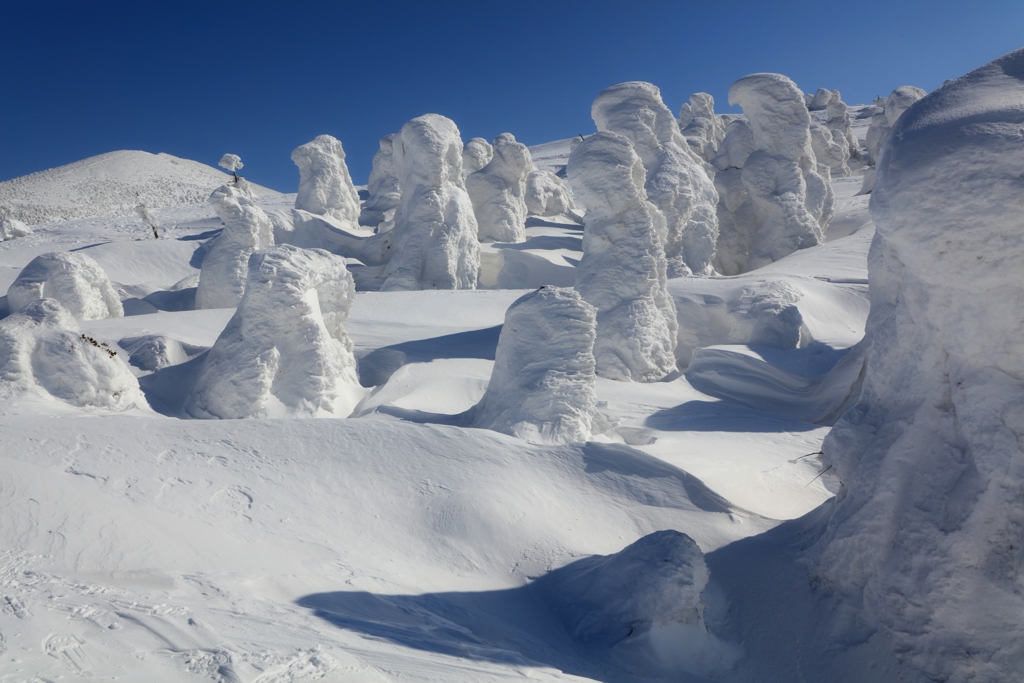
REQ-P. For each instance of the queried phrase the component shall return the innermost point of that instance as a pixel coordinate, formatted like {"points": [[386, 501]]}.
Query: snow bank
{"points": [[476, 154], [676, 184], [703, 130], [246, 229], [73, 279], [43, 353], [383, 186], [898, 102], [498, 192], [542, 388], [622, 271], [435, 235], [547, 195], [11, 228], [325, 187], [791, 204], [927, 536], [285, 351]]}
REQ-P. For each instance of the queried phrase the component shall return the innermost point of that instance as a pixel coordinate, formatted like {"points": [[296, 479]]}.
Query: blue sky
{"points": [[259, 78]]}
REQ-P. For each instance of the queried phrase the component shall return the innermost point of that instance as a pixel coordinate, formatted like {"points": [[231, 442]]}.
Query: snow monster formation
{"points": [[547, 195], [247, 228], [699, 125], [841, 125], [11, 228], [542, 388], [43, 354], [476, 154], [73, 279], [325, 186], [383, 186], [897, 103], [285, 352], [435, 235], [831, 151], [622, 272], [677, 183], [791, 202], [498, 192], [927, 534], [735, 210]]}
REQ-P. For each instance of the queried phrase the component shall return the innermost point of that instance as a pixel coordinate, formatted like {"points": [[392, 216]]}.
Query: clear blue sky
{"points": [[257, 78]]}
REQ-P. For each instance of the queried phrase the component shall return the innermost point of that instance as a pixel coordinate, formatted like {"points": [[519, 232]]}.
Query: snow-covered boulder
{"points": [[325, 186], [498, 192], [542, 387], [703, 130], [285, 351], [622, 271], [435, 242], [927, 535], [44, 354], [383, 186], [547, 195], [893, 107], [246, 229], [676, 184], [476, 154], [791, 202], [11, 228], [73, 279]]}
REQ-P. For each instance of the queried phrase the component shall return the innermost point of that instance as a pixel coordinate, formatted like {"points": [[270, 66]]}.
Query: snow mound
{"points": [[73, 279], [325, 186], [43, 353], [498, 192], [476, 154], [435, 235], [11, 228], [383, 186], [285, 352], [247, 228], [623, 269], [676, 182], [547, 195], [155, 351], [927, 536], [542, 387], [110, 184]]}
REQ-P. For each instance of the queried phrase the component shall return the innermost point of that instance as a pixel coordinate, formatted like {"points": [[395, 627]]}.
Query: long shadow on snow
{"points": [[722, 416], [376, 367]]}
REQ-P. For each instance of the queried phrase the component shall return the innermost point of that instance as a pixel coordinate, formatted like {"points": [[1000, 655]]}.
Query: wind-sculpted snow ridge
{"points": [[498, 192], [325, 186], [435, 242], [676, 184], [110, 184], [542, 387], [791, 204], [476, 154], [247, 228], [622, 271], [285, 352], [699, 125], [547, 195], [73, 279], [43, 354], [383, 185], [927, 536], [11, 228]]}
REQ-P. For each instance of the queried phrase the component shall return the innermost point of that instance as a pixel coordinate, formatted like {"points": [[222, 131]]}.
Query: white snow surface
{"points": [[325, 186], [72, 278], [498, 192]]}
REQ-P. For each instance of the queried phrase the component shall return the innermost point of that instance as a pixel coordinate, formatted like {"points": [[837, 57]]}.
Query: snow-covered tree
{"points": [[325, 186], [72, 278], [498, 192]]}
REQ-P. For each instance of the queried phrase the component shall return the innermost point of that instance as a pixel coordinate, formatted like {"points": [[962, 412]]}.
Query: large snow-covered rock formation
{"points": [[383, 186], [498, 192], [285, 351], [325, 186], [73, 279], [622, 272], [927, 536], [676, 184], [542, 387], [435, 242]]}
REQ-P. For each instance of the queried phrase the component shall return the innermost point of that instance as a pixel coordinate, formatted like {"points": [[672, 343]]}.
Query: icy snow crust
{"points": [[73, 279]]}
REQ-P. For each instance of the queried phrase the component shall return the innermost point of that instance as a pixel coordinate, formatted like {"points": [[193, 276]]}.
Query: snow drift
{"points": [[285, 351], [542, 387], [383, 186], [325, 186], [622, 272], [73, 279], [498, 192], [676, 183], [927, 536], [435, 235]]}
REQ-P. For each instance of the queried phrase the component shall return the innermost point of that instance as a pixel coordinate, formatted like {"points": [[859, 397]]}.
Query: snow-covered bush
{"points": [[231, 162], [43, 353], [498, 192], [383, 186], [898, 102], [11, 228], [622, 272], [325, 186], [791, 202], [676, 180], [155, 351], [547, 195], [542, 385], [702, 129], [927, 535], [285, 351], [435, 242], [246, 229], [476, 154], [73, 279]]}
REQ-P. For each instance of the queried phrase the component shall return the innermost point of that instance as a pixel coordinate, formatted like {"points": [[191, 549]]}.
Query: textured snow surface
{"points": [[74, 279]]}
